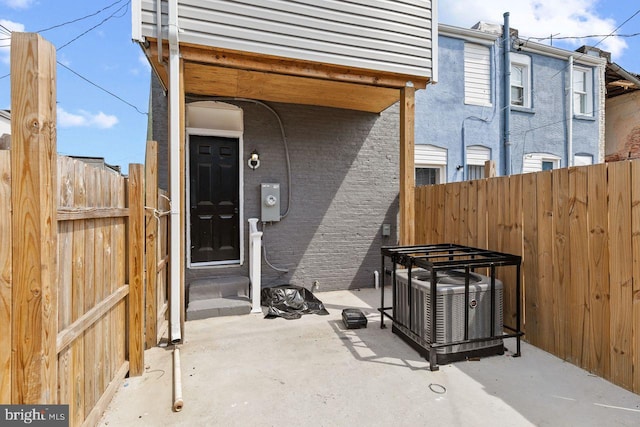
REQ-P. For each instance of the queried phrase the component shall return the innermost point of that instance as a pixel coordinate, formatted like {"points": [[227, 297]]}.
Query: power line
{"points": [[99, 24], [590, 36], [101, 88], [82, 18]]}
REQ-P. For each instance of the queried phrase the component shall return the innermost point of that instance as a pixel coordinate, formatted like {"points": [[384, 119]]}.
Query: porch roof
{"points": [[210, 71]]}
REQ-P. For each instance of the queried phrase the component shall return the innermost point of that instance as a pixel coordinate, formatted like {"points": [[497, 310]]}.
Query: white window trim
{"points": [[523, 61], [436, 162], [532, 162], [588, 77]]}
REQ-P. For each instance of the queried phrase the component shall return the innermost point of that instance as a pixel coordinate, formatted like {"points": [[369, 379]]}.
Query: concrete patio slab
{"points": [[250, 371]]}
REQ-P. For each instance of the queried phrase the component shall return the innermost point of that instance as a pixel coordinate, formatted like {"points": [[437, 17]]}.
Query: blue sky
{"points": [[94, 123]]}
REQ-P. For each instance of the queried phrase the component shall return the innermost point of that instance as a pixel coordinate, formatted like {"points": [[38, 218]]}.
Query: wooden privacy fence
{"points": [[72, 258], [578, 231]]}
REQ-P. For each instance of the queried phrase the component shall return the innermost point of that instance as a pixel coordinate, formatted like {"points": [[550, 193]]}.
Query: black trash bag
{"points": [[290, 302]]}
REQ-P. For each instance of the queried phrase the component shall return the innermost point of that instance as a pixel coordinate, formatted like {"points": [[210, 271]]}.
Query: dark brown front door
{"points": [[214, 199]]}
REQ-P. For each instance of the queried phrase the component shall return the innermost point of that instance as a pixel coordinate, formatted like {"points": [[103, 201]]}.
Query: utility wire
{"points": [[101, 88], [590, 36], [97, 25], [82, 18]]}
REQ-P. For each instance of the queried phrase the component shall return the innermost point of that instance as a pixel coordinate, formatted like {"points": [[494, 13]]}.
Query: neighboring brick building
{"points": [[622, 136]]}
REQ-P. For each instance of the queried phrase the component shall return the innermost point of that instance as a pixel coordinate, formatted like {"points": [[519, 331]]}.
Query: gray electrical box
{"points": [[270, 202]]}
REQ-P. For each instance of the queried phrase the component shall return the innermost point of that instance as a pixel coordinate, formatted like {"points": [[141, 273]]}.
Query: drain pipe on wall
{"points": [[175, 325], [507, 94], [175, 333], [570, 115]]}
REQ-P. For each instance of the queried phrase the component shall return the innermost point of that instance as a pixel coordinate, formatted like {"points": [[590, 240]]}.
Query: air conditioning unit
{"points": [[450, 312]]}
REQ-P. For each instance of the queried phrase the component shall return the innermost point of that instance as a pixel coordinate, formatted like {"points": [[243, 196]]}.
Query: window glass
{"points": [[517, 85], [475, 172], [427, 176]]}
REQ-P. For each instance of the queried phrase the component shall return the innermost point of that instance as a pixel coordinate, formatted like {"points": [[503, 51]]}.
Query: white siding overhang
{"points": [[354, 55]]}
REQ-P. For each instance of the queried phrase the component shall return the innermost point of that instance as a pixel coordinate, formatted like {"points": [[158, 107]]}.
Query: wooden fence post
{"points": [[33, 224], [407, 165], [136, 269], [151, 202]]}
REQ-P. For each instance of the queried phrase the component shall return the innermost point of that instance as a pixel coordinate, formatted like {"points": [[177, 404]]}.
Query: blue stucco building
{"points": [[552, 115]]}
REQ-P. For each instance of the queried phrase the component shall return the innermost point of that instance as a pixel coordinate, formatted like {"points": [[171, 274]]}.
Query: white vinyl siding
{"points": [[385, 35], [477, 74], [536, 162], [430, 164]]}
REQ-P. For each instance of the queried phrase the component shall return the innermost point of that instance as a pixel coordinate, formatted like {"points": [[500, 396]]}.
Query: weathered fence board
{"points": [[578, 231], [5, 276], [72, 236], [620, 271], [635, 236], [577, 296]]}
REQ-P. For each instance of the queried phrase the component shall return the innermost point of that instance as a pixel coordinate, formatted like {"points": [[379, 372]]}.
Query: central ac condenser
{"points": [[416, 319]]}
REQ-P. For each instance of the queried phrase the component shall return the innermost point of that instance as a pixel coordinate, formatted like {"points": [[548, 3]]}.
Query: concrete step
{"points": [[217, 307], [218, 287]]}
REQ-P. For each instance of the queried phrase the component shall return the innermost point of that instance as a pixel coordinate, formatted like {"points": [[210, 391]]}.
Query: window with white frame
{"points": [[476, 156], [582, 91], [520, 80], [430, 164], [536, 162], [477, 74]]}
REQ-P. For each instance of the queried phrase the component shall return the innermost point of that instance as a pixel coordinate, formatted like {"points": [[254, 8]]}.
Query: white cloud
{"points": [[18, 4], [5, 45], [538, 18], [85, 119]]}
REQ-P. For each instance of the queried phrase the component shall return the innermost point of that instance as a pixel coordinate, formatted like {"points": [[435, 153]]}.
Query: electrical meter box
{"points": [[270, 196]]}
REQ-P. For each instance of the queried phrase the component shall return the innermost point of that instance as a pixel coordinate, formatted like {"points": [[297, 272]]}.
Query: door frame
{"points": [[223, 134]]}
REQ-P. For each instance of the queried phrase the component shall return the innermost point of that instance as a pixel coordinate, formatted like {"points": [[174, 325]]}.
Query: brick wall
{"points": [[344, 170]]}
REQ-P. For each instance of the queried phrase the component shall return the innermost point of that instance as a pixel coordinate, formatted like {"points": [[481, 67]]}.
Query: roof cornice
{"points": [[485, 38]]}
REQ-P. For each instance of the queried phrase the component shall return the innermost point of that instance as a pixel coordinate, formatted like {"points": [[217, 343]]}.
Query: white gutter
{"points": [[570, 116], [159, 29], [175, 334]]}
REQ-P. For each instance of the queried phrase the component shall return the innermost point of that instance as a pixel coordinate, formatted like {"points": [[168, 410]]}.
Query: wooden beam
{"points": [[407, 167], [76, 214], [77, 328], [151, 238], [490, 169], [136, 269], [34, 226], [203, 79], [288, 66]]}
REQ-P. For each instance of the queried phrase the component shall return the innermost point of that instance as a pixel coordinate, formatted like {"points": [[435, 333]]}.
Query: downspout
{"points": [[159, 29], [570, 115], [174, 172], [507, 94]]}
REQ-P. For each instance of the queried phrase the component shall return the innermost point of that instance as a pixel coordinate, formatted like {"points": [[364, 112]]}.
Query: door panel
{"points": [[214, 199]]}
